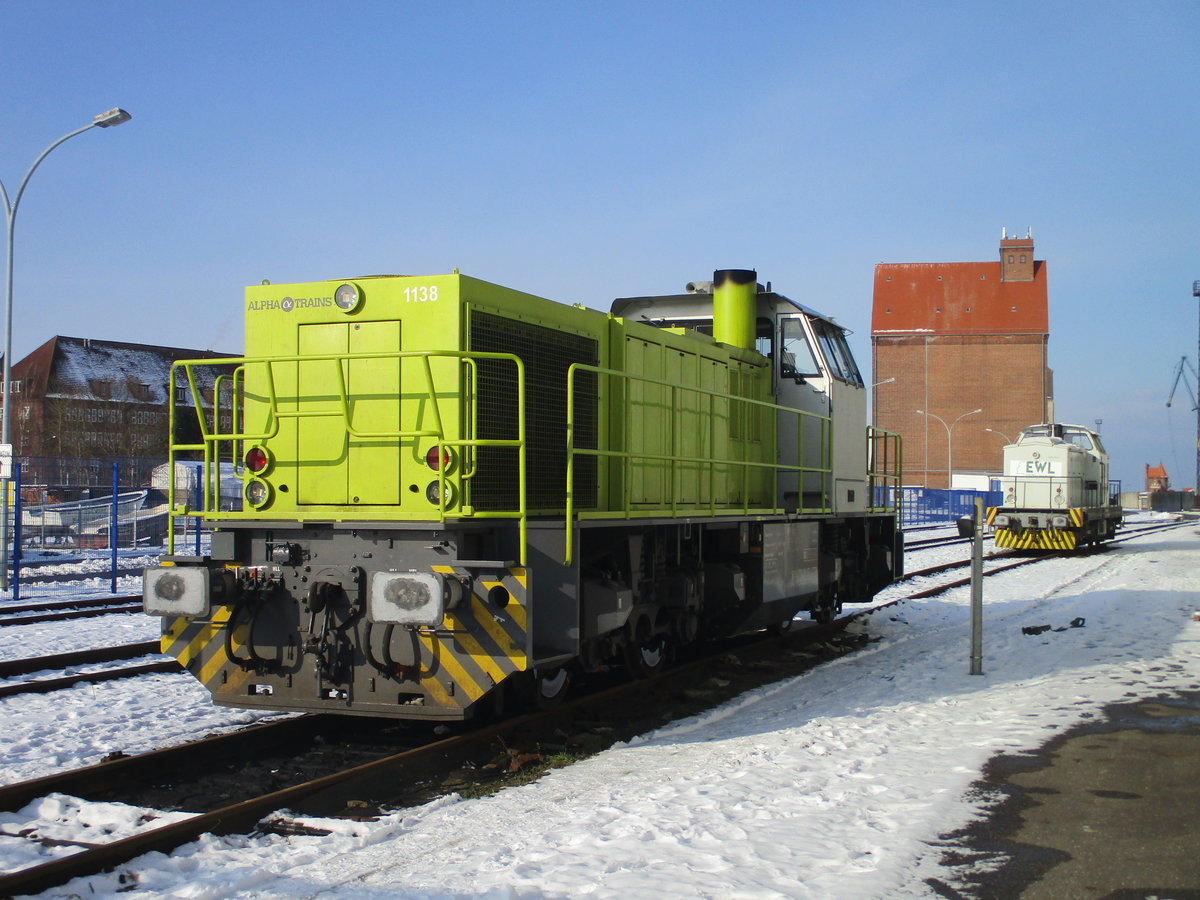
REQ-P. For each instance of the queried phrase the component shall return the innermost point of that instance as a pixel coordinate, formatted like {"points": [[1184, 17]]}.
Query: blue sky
{"points": [[588, 151]]}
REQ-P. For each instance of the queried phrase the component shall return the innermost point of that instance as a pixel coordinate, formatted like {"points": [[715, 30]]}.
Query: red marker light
{"points": [[437, 457], [256, 459]]}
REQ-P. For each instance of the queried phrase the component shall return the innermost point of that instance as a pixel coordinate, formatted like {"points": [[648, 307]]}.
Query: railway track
{"points": [[30, 576], [59, 610], [1021, 558], [421, 770], [930, 543], [132, 651], [425, 766], [63, 661]]}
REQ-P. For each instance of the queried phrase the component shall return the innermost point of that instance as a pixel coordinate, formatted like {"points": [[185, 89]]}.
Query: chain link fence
{"points": [[937, 506], [84, 527]]}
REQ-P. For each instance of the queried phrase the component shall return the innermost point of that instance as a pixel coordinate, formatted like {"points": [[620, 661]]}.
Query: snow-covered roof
{"points": [[83, 368]]}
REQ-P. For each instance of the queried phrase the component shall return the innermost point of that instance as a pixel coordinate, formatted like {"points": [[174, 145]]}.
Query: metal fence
{"points": [[96, 544], [71, 478], [933, 506], [99, 544]]}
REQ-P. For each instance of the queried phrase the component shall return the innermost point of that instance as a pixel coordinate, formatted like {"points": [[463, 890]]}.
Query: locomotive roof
{"points": [[1079, 435], [699, 304], [1047, 428]]}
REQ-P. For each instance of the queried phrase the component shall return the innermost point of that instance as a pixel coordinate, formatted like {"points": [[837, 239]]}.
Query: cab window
{"points": [[837, 352], [796, 359], [1079, 439]]}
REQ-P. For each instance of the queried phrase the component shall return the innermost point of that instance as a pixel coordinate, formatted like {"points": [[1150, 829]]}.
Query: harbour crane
{"points": [[1181, 374], [1190, 388]]}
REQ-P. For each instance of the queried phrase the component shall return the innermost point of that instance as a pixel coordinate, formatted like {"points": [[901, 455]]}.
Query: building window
{"points": [[101, 389], [1010, 259], [1022, 258], [140, 391]]}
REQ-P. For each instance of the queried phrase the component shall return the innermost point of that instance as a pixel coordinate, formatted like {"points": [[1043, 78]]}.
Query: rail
{"points": [[674, 414], [212, 437]]}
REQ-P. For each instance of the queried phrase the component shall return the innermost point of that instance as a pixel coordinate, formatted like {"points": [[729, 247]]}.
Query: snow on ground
{"points": [[45, 733], [829, 785], [70, 635]]}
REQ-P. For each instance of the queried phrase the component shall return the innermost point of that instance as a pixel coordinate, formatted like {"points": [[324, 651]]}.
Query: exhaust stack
{"points": [[735, 306]]}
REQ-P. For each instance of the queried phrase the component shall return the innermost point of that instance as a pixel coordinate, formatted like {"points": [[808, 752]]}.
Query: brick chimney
{"points": [[1016, 257]]}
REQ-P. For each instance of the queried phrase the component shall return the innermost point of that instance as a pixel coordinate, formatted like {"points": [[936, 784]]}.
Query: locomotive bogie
{"points": [[394, 622]]}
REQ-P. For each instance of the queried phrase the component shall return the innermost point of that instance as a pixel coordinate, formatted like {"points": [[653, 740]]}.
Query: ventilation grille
{"points": [[546, 355]]}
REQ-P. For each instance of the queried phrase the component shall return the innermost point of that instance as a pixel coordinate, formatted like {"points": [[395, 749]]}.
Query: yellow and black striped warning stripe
{"points": [[199, 645], [1036, 539], [478, 645]]}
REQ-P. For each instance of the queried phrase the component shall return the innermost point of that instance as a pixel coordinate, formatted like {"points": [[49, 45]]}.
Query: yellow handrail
{"points": [[885, 468], [211, 436]]}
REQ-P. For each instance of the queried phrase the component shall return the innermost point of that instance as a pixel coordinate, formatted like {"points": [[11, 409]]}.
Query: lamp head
{"points": [[114, 116]]}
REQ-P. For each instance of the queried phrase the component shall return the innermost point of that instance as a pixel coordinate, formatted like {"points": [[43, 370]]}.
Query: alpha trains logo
{"points": [[287, 304]]}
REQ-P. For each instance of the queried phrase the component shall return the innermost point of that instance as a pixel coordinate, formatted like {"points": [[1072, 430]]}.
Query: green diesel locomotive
{"points": [[455, 492]]}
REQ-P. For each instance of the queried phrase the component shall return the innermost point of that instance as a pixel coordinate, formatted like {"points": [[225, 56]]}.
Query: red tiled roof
{"points": [[957, 298]]}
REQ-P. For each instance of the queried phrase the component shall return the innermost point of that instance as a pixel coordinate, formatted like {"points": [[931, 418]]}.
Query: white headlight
{"points": [[175, 591], [1000, 521], [411, 598], [257, 492], [1058, 521]]}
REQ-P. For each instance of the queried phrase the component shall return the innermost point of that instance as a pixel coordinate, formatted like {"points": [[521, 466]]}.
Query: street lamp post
{"points": [[874, 403], [949, 441], [1196, 293], [1000, 433], [114, 116]]}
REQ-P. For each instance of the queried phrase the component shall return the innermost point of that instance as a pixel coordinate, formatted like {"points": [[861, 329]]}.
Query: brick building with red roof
{"points": [[1156, 478], [95, 401], [950, 338]]}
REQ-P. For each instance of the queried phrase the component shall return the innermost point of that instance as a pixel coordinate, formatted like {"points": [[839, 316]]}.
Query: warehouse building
{"points": [[83, 402], [960, 361]]}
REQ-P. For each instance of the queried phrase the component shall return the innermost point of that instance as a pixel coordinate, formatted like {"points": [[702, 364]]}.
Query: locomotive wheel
{"points": [[781, 627], [644, 659], [549, 688], [826, 610]]}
